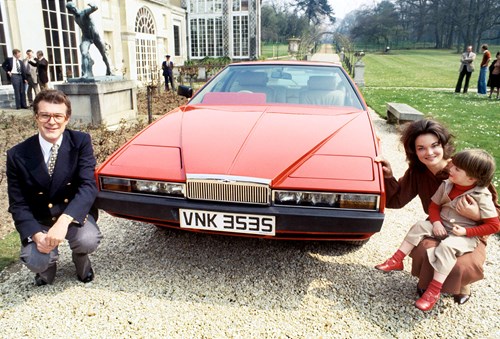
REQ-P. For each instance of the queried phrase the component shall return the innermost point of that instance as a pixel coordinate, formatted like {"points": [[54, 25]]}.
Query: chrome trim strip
{"points": [[228, 178]]}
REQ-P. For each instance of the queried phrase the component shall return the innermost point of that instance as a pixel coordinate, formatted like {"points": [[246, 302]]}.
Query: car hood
{"points": [[282, 144]]}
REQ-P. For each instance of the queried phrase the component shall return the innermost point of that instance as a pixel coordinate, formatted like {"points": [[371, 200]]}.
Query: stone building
{"points": [[137, 34]]}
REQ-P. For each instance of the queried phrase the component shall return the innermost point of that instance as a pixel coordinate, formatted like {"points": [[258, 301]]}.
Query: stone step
{"points": [[7, 99]]}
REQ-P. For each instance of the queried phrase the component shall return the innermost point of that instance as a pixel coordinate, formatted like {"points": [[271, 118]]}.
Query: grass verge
{"points": [[9, 249]]}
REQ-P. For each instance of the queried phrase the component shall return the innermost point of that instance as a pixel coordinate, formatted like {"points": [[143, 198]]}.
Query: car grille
{"points": [[228, 191]]}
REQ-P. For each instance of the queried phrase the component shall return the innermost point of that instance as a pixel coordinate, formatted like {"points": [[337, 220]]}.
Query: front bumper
{"points": [[291, 222]]}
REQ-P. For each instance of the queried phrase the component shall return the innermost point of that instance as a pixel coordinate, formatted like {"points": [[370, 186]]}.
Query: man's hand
{"points": [[386, 166], [57, 233], [40, 239], [438, 230]]}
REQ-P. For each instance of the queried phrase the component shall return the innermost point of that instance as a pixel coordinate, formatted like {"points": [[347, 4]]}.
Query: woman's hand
{"points": [[468, 207], [386, 166]]}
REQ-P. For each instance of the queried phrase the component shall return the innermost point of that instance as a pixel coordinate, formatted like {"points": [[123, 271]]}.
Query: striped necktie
{"points": [[18, 66]]}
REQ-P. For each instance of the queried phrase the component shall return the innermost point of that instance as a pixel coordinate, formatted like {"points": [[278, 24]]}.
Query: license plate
{"points": [[228, 222]]}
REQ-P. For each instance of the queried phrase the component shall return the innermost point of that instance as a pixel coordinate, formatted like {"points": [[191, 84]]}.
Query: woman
{"points": [[428, 147], [494, 79]]}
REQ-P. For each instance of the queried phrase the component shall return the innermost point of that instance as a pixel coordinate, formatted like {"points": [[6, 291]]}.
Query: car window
{"points": [[280, 84]]}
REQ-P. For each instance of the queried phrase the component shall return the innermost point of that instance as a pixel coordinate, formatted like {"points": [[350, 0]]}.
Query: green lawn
{"points": [[425, 79], [417, 68], [273, 50]]}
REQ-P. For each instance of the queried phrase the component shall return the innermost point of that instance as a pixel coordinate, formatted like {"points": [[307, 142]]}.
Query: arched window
{"points": [[145, 46]]}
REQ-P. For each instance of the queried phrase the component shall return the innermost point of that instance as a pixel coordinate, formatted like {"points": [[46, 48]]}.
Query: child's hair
{"points": [[477, 164]]}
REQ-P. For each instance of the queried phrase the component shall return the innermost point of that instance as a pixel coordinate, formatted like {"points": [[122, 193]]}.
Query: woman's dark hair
{"points": [[426, 126], [54, 97], [477, 164]]}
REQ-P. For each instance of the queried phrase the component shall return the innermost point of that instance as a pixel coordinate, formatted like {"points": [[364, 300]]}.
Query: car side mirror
{"points": [[185, 91]]}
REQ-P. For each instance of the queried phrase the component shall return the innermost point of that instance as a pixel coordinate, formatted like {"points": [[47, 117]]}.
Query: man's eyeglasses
{"points": [[45, 117]]}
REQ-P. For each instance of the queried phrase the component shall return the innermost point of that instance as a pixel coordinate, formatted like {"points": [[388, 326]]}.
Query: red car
{"points": [[264, 149]]}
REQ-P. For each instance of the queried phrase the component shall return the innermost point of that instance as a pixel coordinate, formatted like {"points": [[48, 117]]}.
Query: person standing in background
{"points": [[16, 73], [481, 81], [466, 69], [31, 75], [42, 66], [494, 79], [168, 66]]}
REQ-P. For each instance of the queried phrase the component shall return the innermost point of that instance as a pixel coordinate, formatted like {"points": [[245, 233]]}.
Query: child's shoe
{"points": [[390, 264], [427, 301]]}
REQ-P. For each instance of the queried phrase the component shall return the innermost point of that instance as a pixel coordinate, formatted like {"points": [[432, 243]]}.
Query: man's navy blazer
{"points": [[35, 199]]}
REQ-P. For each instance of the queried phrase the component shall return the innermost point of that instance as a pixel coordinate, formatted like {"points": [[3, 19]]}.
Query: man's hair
{"points": [[29, 51], [484, 46], [15, 51], [54, 97], [477, 164], [39, 53], [425, 126]]}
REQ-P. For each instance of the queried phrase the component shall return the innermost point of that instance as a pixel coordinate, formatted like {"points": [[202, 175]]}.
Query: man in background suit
{"points": [[16, 73], [31, 76], [168, 67], [42, 66], [466, 69], [51, 188]]}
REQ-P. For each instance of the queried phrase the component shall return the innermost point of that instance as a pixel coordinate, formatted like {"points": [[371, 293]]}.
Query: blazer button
{"points": [[66, 201], [54, 218], [41, 193], [50, 205]]}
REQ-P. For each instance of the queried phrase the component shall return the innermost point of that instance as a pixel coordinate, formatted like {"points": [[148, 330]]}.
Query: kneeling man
{"points": [[52, 189]]}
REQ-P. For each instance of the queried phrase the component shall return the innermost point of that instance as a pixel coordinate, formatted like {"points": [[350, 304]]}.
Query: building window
{"points": [[145, 46], [177, 40], [3, 45], [207, 37], [205, 6], [240, 36], [240, 5], [60, 38]]}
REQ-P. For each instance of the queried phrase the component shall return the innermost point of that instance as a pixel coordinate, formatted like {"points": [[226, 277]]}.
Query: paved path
{"points": [[326, 53]]}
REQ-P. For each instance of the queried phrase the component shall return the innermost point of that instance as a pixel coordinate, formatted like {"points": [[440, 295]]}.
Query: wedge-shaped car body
{"points": [[266, 149]]}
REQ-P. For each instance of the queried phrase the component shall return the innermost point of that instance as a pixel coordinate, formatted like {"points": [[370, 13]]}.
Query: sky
{"points": [[342, 7]]}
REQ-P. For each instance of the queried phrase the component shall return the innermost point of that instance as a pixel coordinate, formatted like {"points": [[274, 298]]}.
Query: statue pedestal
{"points": [[101, 102]]}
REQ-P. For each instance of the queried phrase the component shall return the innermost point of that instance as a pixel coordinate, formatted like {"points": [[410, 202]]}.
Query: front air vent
{"points": [[228, 190]]}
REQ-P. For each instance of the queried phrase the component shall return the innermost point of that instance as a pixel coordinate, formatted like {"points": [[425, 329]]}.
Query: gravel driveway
{"points": [[153, 283]]}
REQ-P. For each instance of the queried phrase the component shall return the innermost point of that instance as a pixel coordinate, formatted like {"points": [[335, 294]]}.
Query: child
{"points": [[471, 173]]}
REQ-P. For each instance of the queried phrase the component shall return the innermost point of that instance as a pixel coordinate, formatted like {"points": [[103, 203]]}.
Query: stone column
{"points": [[359, 73]]}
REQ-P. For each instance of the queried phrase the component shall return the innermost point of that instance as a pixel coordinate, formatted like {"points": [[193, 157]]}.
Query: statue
{"points": [[89, 36]]}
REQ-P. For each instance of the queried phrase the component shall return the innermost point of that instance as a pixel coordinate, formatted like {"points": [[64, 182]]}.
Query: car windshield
{"points": [[279, 84]]}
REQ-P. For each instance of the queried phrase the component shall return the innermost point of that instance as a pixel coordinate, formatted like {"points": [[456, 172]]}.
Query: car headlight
{"points": [[173, 189], [326, 200]]}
